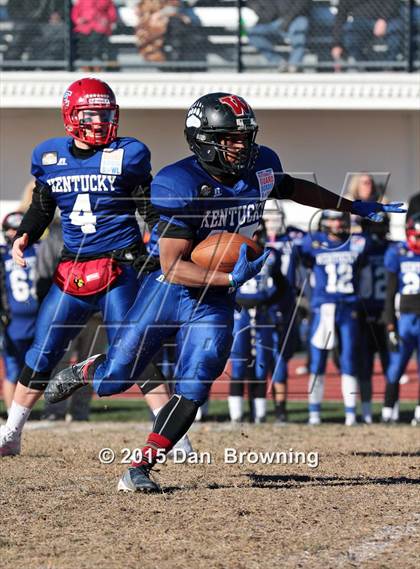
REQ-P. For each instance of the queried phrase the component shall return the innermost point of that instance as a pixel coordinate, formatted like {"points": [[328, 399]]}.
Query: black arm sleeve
{"points": [[391, 291], [168, 229], [4, 304], [308, 193], [39, 215], [141, 197]]}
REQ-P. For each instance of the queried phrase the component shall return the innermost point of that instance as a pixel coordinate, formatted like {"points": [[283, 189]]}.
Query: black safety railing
{"points": [[205, 35]]}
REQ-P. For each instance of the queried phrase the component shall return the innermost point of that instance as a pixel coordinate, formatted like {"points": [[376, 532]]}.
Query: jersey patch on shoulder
{"points": [[111, 161], [357, 243], [49, 158], [265, 181]]}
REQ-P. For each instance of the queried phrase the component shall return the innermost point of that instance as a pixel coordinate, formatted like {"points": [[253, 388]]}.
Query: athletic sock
{"points": [[386, 414], [17, 417], [392, 391], [396, 411], [171, 424], [349, 390], [235, 403], [260, 409], [280, 409], [316, 393], [367, 411]]}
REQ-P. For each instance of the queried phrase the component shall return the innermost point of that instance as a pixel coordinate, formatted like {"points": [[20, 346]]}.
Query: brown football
{"points": [[220, 251]]}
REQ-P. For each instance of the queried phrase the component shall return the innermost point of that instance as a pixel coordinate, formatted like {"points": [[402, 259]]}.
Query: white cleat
{"points": [[416, 419], [367, 419], [184, 445], [314, 420], [350, 420], [9, 442]]}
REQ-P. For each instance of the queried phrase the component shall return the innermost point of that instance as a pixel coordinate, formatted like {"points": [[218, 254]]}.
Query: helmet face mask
{"points": [[221, 131], [90, 113], [335, 223], [412, 231]]}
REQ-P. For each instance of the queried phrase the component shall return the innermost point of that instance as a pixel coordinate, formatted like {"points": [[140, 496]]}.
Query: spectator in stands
{"points": [[169, 30], [151, 28], [360, 23], [184, 39], [93, 22], [363, 187], [280, 21], [30, 18]]}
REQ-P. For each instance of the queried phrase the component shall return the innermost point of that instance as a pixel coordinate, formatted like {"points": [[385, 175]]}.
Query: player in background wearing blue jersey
{"points": [[286, 239], [18, 305], [252, 355], [221, 187], [402, 263], [97, 180], [335, 258], [373, 337]]}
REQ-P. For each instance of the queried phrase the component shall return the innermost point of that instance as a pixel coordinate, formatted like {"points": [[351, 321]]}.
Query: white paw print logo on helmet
{"points": [[194, 116]]}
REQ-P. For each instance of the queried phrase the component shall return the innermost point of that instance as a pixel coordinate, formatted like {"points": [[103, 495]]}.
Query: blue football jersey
{"points": [[93, 194], [405, 263], [335, 267], [20, 291], [188, 197], [373, 277], [284, 243]]}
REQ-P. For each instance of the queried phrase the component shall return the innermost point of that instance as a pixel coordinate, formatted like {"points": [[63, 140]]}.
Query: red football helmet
{"points": [[412, 231], [90, 112]]}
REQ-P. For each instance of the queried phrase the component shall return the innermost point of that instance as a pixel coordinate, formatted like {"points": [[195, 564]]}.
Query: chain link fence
{"points": [[201, 35]]}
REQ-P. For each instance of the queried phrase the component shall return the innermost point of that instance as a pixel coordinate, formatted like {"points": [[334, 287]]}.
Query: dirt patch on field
{"points": [[358, 508]]}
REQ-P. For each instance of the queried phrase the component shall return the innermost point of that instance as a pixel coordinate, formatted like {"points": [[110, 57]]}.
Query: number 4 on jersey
{"points": [[82, 214]]}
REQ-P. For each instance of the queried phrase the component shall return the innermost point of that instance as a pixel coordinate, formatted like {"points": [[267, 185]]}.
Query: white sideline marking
{"points": [[382, 539]]}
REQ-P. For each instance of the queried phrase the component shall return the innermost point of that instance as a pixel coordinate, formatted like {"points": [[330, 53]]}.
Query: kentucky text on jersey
{"points": [[83, 183], [410, 267], [336, 257], [233, 217]]}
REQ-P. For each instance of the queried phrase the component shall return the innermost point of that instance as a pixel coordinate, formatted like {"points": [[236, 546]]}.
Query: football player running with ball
{"points": [[97, 180], [221, 187]]}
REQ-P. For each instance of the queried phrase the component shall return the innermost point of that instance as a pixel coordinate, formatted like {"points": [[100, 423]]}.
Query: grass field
{"points": [[127, 410], [358, 508]]}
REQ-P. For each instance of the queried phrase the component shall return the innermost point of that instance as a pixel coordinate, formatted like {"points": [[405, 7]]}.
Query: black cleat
{"points": [[137, 479], [72, 378]]}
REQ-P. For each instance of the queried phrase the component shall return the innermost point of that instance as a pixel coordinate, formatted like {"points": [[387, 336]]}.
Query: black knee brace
{"points": [[150, 378], [34, 379]]}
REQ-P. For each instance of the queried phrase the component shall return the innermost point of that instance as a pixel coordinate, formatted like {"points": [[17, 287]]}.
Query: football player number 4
{"points": [[339, 278], [82, 214]]}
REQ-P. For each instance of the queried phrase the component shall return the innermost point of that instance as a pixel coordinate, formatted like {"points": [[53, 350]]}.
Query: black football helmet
{"points": [[210, 121], [11, 221], [328, 216]]}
